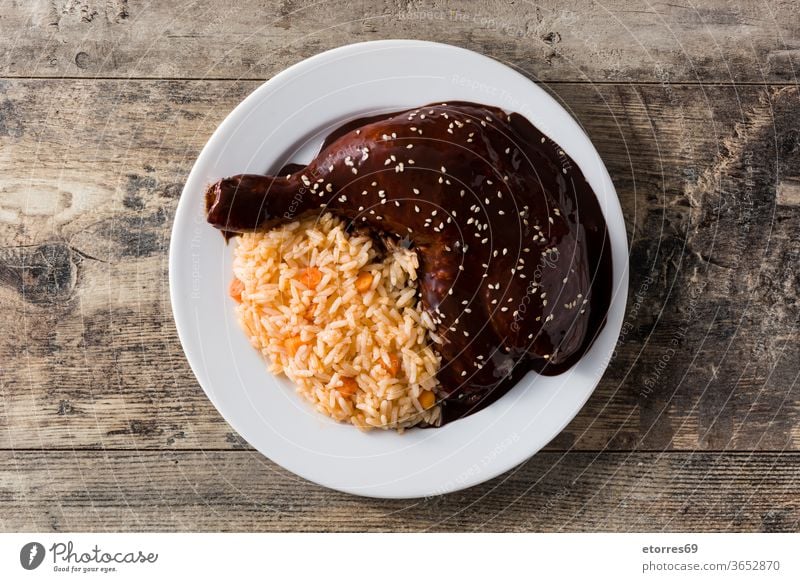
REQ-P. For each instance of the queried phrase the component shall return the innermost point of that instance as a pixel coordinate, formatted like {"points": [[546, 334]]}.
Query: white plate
{"points": [[286, 118]]}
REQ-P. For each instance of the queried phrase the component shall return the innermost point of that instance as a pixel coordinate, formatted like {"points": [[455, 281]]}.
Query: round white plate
{"points": [[286, 119]]}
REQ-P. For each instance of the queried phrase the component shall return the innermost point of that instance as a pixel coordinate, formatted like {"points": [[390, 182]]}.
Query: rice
{"points": [[360, 354]]}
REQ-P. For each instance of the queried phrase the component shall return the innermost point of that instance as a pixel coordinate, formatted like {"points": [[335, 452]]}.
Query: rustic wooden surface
{"points": [[103, 109]]}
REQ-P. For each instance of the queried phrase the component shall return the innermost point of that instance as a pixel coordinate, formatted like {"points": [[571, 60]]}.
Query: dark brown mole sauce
{"points": [[515, 260]]}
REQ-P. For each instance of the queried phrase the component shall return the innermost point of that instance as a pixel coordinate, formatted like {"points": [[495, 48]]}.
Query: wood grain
{"points": [[241, 491], [708, 354], [752, 41], [694, 108]]}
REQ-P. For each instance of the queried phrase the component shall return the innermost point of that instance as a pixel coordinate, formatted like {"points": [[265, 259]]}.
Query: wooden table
{"points": [[695, 110]]}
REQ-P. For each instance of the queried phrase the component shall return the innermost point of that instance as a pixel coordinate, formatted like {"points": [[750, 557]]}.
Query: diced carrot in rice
{"points": [[293, 344], [235, 290], [348, 388], [427, 399], [363, 282], [310, 277], [394, 365]]}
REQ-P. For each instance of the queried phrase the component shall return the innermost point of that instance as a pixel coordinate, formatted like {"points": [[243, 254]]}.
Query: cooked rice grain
{"points": [[329, 335]]}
